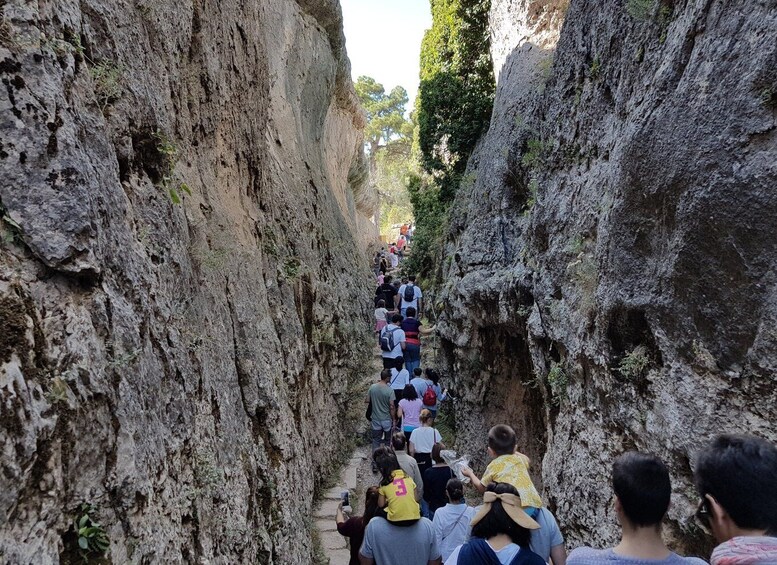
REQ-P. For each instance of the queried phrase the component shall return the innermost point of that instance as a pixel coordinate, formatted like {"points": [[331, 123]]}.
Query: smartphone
{"points": [[344, 496]]}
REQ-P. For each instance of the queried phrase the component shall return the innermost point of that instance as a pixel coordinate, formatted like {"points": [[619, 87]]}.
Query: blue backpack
{"points": [[387, 339]]}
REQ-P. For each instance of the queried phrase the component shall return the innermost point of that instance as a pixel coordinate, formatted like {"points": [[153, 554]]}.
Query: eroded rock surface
{"points": [[611, 261], [184, 220]]}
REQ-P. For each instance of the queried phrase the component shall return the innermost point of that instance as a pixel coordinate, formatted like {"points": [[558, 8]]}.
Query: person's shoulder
{"points": [[689, 560], [583, 555]]}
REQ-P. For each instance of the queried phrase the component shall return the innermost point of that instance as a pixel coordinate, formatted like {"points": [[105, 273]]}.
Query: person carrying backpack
{"points": [[392, 342], [410, 297], [388, 293], [413, 332]]}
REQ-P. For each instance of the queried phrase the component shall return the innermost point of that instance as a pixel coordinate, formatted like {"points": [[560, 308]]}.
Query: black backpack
{"points": [[387, 339], [409, 294]]}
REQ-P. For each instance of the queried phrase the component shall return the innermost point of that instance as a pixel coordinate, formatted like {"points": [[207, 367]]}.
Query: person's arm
{"points": [[339, 516], [467, 472], [420, 307], [398, 415], [381, 501], [365, 560], [558, 554], [426, 331], [403, 344], [410, 448], [437, 561]]}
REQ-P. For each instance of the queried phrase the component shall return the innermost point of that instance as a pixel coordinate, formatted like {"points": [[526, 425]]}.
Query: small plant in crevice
{"points": [[292, 268], [6, 32], [586, 276], [576, 246], [107, 76], [58, 391], [558, 381], [124, 359], [534, 187], [92, 539], [168, 151], [640, 9], [634, 363], [535, 153], [768, 98], [595, 70]]}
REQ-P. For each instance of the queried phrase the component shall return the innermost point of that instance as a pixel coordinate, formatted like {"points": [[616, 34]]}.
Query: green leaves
{"points": [[385, 112], [92, 538]]}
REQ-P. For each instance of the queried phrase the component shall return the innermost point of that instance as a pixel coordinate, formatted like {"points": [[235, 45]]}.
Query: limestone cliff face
{"points": [[611, 260], [184, 219]]}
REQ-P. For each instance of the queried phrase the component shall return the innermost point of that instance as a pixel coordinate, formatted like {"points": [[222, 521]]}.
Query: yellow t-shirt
{"points": [[400, 498], [513, 469]]}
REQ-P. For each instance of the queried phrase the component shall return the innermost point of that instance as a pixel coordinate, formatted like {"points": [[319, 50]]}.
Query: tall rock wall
{"points": [[182, 274], [611, 260]]}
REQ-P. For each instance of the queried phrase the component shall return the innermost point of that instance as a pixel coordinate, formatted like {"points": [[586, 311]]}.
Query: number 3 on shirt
{"points": [[401, 488]]}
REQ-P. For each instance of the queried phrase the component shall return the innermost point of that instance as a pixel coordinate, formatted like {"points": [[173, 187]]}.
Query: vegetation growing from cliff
{"points": [[389, 138], [454, 109]]}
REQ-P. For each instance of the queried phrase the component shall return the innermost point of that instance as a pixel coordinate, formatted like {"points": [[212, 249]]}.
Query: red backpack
{"points": [[430, 397]]}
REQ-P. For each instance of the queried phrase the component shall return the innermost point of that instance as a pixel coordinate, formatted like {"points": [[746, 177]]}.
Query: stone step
{"points": [[333, 540], [339, 557], [327, 509]]}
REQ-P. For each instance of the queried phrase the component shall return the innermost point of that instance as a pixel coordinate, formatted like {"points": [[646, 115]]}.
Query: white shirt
{"points": [[451, 527], [399, 378], [423, 439], [399, 337], [417, 294]]}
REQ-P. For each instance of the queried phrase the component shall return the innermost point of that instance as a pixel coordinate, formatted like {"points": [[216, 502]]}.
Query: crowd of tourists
{"points": [[419, 512]]}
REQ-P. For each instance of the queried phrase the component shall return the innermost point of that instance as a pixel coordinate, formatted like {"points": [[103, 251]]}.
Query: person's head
{"points": [[736, 476], [436, 450], [409, 393], [387, 279], [381, 303], [411, 312], [387, 463], [411, 278], [454, 488], [502, 514], [417, 372], [641, 483], [501, 440], [404, 280], [433, 376], [399, 362], [398, 441], [396, 318], [426, 418], [371, 507], [397, 284], [385, 375]]}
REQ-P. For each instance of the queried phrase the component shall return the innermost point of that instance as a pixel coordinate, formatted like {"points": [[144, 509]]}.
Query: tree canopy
{"points": [[386, 121]]}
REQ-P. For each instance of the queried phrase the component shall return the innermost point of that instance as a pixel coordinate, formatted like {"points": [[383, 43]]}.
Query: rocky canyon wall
{"points": [[611, 259], [184, 220]]}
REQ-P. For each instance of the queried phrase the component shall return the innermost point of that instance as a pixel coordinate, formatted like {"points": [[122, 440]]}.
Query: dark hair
{"points": [[455, 490], [411, 278], [409, 392], [436, 448], [387, 463], [641, 483], [398, 441], [410, 312], [387, 279], [740, 472], [398, 363], [501, 439], [381, 303], [433, 375], [371, 508], [497, 521], [418, 372], [396, 318], [385, 374]]}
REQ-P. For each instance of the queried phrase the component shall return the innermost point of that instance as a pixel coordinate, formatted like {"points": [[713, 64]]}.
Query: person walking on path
{"points": [[435, 480], [420, 382], [422, 441], [353, 528], [383, 417], [501, 532], [400, 378], [390, 544], [642, 493], [409, 411], [451, 522], [388, 293], [413, 332], [392, 342], [411, 297], [736, 476], [406, 462], [441, 394]]}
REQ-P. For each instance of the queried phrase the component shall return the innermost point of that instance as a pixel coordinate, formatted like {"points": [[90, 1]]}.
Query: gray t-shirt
{"points": [[388, 544], [590, 556], [547, 536], [381, 396]]}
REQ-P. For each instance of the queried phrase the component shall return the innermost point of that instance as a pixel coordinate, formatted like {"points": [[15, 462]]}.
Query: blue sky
{"points": [[383, 39]]}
